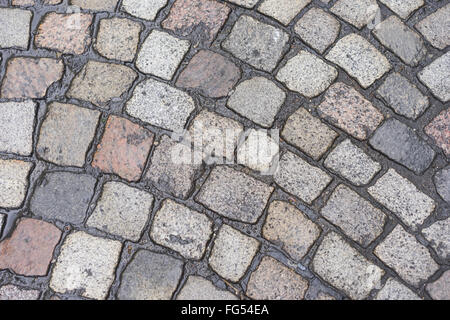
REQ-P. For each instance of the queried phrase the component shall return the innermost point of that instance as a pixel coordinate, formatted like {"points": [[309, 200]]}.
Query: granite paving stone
{"points": [[403, 198], [122, 211], [66, 134], [204, 18], [118, 38], [359, 58], [143, 9], [160, 105], [13, 182], [63, 196], [358, 13], [403, 253], [345, 268], [256, 43], [439, 131], [352, 163], [308, 133], [257, 99], [394, 290], [28, 77], [30, 248], [17, 127], [95, 5], [15, 28], [307, 74], [67, 33], [123, 149], [301, 179], [403, 96], [288, 226], [354, 215], [234, 195], [245, 3], [440, 289], [400, 143], [198, 288], [210, 73], [442, 183], [436, 77], [274, 281], [232, 253], [318, 29], [173, 167], [12, 292], [150, 276], [403, 7], [282, 10], [437, 234], [100, 82], [347, 109], [434, 27], [401, 39], [161, 54]]}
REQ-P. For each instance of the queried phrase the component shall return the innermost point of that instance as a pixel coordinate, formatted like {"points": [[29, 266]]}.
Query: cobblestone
{"points": [[358, 13], [442, 182], [440, 289], [12, 292], [437, 235], [258, 152], [13, 182], [198, 288], [439, 131], [14, 28], [97, 5], [436, 76], [403, 7], [145, 10], [394, 290], [282, 10], [433, 27]]}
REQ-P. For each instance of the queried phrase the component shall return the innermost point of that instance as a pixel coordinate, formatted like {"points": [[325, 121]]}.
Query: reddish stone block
{"points": [[30, 249], [203, 17], [211, 73], [439, 131], [123, 149]]}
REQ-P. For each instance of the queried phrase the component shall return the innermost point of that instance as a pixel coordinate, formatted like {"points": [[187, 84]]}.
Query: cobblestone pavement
{"points": [[92, 207]]}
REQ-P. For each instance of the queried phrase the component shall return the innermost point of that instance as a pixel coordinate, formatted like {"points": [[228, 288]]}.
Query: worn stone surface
{"points": [[13, 182], [346, 269], [358, 13], [257, 99], [210, 73], [12, 292], [143, 9], [150, 276], [173, 168], [352, 163], [124, 148], [14, 28], [394, 290], [403, 253], [232, 253], [67, 33], [30, 248], [439, 131], [307, 74], [66, 134], [100, 82], [298, 177], [181, 229], [86, 263], [118, 38], [160, 105], [122, 211], [288, 226], [245, 3], [359, 58], [258, 152], [2, 221], [403, 96], [399, 38], [201, 17], [400, 143], [198, 288], [282, 10], [234, 195], [318, 29], [256, 43], [440, 289], [402, 197], [354, 215], [442, 182], [437, 234], [308, 133], [434, 27], [63, 196], [97, 5], [30, 77], [273, 281], [17, 126], [436, 77], [347, 109], [403, 7], [161, 54]]}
